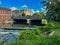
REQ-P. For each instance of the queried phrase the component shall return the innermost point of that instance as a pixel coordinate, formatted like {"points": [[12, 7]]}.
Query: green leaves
{"points": [[53, 13]]}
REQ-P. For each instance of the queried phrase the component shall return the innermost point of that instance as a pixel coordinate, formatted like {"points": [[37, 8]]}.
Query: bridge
{"points": [[27, 21]]}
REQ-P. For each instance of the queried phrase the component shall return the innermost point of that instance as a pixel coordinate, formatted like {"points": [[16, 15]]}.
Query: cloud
{"points": [[43, 9], [37, 11], [24, 6], [0, 2], [13, 8], [33, 10]]}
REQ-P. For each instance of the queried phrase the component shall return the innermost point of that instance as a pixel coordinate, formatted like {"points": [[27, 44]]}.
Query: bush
{"points": [[55, 38], [50, 26], [30, 37]]}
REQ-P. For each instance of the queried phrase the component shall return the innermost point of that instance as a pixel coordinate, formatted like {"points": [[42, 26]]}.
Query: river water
{"points": [[9, 35]]}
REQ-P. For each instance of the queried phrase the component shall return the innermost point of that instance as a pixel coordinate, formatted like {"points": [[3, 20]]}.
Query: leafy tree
{"points": [[23, 14], [53, 10], [41, 14], [36, 14]]}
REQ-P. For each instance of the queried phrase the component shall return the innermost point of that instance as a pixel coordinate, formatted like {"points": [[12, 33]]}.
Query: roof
{"points": [[5, 8], [18, 10]]}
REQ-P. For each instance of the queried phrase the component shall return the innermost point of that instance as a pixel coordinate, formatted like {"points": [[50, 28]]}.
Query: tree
{"points": [[53, 10], [41, 14], [36, 14], [23, 14]]}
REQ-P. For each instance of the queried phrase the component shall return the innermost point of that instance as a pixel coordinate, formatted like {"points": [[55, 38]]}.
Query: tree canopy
{"points": [[53, 10]]}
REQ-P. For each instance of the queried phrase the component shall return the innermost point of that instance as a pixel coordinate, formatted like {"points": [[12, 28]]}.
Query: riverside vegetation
{"points": [[38, 36]]}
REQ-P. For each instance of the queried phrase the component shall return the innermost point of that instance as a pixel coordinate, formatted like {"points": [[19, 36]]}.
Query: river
{"points": [[9, 36]]}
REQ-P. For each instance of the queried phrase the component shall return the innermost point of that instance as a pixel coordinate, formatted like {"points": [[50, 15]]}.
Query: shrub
{"points": [[50, 26]]}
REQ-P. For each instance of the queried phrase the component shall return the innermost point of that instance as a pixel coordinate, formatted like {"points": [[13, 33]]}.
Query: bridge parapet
{"points": [[27, 17]]}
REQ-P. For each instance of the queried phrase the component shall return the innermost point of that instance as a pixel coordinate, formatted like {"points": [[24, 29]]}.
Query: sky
{"points": [[34, 5]]}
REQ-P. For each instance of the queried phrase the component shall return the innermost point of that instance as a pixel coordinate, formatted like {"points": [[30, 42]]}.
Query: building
{"points": [[20, 13], [28, 12], [5, 17], [20, 17], [17, 13]]}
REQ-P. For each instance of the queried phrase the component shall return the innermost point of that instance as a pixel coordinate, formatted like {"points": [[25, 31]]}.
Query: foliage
{"points": [[30, 37], [53, 10], [50, 26], [55, 37], [41, 14], [2, 21], [23, 14], [36, 14]]}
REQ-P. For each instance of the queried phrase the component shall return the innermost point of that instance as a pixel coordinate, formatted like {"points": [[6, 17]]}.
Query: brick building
{"points": [[5, 17]]}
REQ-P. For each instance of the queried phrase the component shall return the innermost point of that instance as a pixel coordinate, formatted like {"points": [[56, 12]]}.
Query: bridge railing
{"points": [[27, 17]]}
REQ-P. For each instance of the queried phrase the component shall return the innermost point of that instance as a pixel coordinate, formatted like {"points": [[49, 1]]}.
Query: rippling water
{"points": [[10, 35]]}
